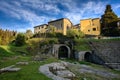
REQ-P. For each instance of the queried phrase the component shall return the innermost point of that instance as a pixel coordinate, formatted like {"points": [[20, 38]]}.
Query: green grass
{"points": [[3, 52], [81, 45], [103, 40], [7, 61], [27, 72], [10, 55]]}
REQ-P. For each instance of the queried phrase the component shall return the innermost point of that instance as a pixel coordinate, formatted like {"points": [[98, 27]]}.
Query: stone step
{"points": [[9, 69]]}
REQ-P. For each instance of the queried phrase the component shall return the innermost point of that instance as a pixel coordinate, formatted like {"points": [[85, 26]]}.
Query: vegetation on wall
{"points": [[109, 23], [81, 45]]}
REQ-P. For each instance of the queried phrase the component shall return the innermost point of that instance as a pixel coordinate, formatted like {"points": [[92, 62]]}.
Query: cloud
{"points": [[116, 8], [36, 12], [86, 10], [16, 11], [44, 5]]}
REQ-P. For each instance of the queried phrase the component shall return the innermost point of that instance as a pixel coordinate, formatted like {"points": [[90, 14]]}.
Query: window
{"points": [[88, 30], [61, 27], [45, 27], [67, 27], [61, 24], [94, 29]]}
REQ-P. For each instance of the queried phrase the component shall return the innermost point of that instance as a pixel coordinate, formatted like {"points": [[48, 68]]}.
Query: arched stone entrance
{"points": [[63, 52], [88, 57]]}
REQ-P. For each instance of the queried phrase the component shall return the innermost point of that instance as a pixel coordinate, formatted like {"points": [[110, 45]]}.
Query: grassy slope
{"points": [[10, 55], [27, 72], [81, 45]]}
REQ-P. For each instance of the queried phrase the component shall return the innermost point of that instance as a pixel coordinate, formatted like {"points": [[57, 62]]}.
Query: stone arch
{"points": [[82, 55], [63, 52], [88, 57], [64, 47]]}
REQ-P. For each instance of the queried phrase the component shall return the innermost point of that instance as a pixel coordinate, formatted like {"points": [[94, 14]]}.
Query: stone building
{"points": [[62, 25], [77, 26], [41, 28], [90, 26], [118, 24]]}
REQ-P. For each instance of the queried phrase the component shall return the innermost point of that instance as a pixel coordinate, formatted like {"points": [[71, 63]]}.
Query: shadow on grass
{"points": [[4, 53]]}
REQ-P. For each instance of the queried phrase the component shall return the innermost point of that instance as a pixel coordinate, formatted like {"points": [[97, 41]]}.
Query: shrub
{"points": [[20, 40], [74, 33]]}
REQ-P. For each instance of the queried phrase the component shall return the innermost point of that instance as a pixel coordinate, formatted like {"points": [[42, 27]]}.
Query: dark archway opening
{"points": [[88, 57], [63, 52]]}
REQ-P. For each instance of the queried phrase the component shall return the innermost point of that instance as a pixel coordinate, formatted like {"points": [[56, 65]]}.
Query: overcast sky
{"points": [[21, 15]]}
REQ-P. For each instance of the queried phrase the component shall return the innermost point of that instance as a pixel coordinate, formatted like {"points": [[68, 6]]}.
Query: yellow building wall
{"points": [[61, 25], [40, 29], [85, 24], [90, 26], [96, 22], [66, 25]]}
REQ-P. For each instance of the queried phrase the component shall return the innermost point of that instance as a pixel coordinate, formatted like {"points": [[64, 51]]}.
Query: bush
{"points": [[20, 40], [43, 42], [53, 41], [74, 33], [28, 34]]}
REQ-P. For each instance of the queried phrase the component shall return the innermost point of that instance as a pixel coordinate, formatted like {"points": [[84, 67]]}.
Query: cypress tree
{"points": [[109, 23]]}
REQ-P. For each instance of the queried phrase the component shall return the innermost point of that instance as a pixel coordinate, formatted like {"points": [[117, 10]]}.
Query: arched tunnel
{"points": [[63, 52], [91, 57], [88, 57]]}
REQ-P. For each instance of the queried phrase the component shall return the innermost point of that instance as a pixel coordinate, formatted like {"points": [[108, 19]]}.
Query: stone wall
{"points": [[88, 56], [55, 50], [61, 24], [109, 51]]}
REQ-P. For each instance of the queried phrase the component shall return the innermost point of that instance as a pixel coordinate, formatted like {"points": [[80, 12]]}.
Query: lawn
{"points": [[27, 72], [81, 45], [10, 55]]}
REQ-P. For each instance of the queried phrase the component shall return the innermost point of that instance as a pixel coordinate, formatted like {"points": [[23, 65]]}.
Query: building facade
{"points": [[118, 24], [62, 25], [90, 26], [77, 26], [40, 28]]}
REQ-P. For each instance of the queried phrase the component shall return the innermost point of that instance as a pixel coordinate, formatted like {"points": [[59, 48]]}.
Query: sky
{"points": [[21, 15]]}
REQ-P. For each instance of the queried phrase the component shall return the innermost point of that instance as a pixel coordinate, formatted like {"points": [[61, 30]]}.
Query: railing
{"points": [[110, 37]]}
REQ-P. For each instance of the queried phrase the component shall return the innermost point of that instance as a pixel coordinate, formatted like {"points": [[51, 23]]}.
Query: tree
{"points": [[20, 39], [109, 22], [6, 36], [28, 34], [74, 33]]}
